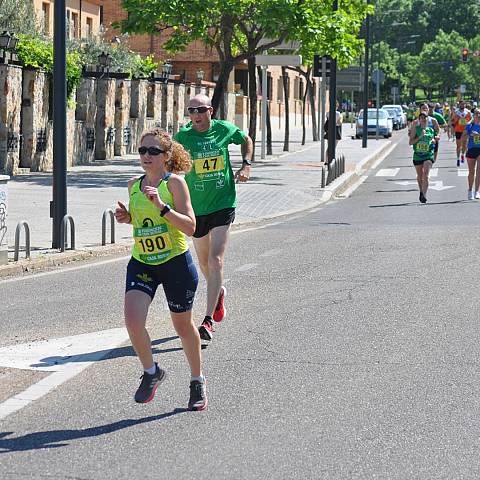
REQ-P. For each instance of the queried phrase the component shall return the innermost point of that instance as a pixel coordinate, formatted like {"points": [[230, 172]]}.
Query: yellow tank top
{"points": [[156, 240]]}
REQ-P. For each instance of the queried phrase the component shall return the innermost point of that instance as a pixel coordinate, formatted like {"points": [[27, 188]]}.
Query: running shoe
{"points": [[462, 158], [422, 198], [198, 396], [220, 312], [477, 195], [471, 195], [149, 384], [206, 329], [458, 162]]}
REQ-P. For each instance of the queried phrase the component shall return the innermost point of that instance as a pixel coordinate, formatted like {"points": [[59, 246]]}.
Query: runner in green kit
{"points": [[422, 137], [441, 124], [212, 189]]}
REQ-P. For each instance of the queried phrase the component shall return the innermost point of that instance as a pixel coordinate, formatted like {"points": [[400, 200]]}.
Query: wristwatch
{"points": [[247, 162], [165, 210]]}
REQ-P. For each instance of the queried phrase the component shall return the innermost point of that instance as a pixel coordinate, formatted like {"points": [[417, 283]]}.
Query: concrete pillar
{"points": [[154, 103], [167, 107], [105, 121], [86, 112], [178, 107], [34, 123], [138, 108], [123, 138], [3, 219], [10, 108]]}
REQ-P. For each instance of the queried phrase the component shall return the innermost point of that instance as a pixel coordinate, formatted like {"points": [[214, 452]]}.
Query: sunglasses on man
{"points": [[154, 151], [197, 109]]}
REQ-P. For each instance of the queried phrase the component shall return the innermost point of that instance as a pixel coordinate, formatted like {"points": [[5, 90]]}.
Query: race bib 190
{"points": [[153, 243]]}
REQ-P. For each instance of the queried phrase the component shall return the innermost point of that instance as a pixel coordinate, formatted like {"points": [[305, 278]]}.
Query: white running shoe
{"points": [[477, 195], [471, 195]]}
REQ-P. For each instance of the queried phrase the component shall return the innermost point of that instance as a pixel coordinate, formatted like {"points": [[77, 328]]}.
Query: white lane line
{"points": [[433, 173], [246, 267], [350, 190], [65, 357], [462, 173], [387, 172], [34, 276]]}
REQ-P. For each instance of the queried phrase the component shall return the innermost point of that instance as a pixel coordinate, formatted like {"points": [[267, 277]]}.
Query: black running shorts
{"points": [[205, 223]]}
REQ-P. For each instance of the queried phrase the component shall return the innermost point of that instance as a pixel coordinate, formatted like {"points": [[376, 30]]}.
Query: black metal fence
{"points": [[333, 170]]}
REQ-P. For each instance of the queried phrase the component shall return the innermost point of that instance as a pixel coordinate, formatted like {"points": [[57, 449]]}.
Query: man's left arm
{"points": [[246, 148]]}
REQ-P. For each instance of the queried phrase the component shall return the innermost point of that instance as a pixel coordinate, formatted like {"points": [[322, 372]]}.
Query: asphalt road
{"points": [[349, 352]]}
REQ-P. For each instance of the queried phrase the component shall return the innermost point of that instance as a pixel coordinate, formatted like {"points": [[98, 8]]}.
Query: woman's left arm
{"points": [[182, 216]]}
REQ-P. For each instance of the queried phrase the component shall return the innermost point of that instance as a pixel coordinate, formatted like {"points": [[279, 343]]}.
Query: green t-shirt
{"points": [[211, 181], [438, 117], [423, 149]]}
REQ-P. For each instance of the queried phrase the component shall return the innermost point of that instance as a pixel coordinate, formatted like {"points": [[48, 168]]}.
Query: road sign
{"points": [[462, 88], [279, 60], [378, 77], [394, 90], [317, 65], [350, 78], [285, 45]]}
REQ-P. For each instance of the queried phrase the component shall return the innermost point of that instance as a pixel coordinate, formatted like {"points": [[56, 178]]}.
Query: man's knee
{"points": [[215, 263]]}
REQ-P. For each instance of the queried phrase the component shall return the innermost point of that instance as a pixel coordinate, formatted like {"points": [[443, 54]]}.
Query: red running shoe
{"points": [[206, 329], [220, 312]]}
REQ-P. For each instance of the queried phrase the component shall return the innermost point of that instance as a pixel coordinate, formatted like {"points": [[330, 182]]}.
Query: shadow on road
{"points": [[61, 438], [126, 351]]}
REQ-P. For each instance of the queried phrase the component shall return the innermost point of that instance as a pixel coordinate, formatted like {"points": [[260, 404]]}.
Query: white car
{"points": [[385, 123], [401, 115]]}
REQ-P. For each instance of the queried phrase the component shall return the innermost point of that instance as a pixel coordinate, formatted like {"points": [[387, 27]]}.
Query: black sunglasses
{"points": [[197, 109], [151, 151]]}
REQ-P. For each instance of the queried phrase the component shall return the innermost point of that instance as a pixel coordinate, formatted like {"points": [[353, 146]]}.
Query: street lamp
{"points": [[200, 76], [166, 71], [7, 42], [104, 61]]}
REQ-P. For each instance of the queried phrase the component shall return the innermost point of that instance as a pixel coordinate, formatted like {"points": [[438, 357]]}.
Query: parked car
{"points": [[400, 115], [385, 123]]}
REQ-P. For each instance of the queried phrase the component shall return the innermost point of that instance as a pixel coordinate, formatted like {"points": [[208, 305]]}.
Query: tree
{"points": [[16, 16]]}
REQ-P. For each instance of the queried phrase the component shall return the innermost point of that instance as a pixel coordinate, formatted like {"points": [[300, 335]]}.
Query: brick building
{"points": [[83, 17]]}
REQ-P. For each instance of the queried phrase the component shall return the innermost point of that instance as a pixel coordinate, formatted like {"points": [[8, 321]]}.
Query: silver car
{"points": [[385, 123]]}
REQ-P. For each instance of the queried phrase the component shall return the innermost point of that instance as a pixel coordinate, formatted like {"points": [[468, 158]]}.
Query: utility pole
{"points": [[58, 207], [332, 115], [365, 81]]}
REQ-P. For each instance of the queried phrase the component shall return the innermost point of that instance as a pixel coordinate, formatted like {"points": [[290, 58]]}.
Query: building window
{"points": [[74, 25], [67, 25], [89, 27], [280, 89], [46, 18]]}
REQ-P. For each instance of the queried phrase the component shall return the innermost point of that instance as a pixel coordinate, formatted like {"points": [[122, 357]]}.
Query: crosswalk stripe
{"points": [[433, 172], [387, 172], [462, 173]]}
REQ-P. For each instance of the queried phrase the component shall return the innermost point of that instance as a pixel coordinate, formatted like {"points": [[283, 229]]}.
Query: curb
{"points": [[50, 261]]}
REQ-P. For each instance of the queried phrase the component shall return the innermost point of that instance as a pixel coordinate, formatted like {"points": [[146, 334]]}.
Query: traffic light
{"points": [[465, 54]]}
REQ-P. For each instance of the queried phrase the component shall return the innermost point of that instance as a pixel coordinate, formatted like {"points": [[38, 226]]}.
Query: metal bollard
{"points": [[21, 224], [63, 232], [108, 211]]}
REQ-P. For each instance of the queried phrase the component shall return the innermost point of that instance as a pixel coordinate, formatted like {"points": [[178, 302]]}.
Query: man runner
{"points": [[461, 118], [212, 189]]}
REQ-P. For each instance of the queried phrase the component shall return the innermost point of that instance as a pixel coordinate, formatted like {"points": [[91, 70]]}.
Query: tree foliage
{"points": [[16, 16], [237, 28]]}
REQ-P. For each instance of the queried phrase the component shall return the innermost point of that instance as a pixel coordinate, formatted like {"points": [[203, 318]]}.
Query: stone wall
{"points": [[106, 119]]}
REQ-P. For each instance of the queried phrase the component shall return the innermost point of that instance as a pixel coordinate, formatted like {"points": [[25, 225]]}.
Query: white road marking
{"points": [[387, 172], [433, 173], [67, 269], [462, 173], [438, 185], [65, 357], [246, 267]]}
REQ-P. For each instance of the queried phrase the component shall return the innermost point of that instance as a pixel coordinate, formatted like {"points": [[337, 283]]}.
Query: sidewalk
{"points": [[282, 183]]}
